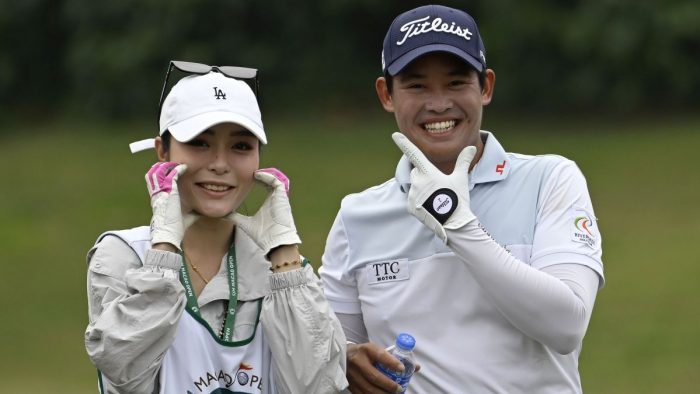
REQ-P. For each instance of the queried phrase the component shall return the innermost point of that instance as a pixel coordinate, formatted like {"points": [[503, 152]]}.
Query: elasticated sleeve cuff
{"points": [[162, 259], [288, 279]]}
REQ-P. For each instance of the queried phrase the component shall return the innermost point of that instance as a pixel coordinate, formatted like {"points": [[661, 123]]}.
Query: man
{"points": [[491, 260]]}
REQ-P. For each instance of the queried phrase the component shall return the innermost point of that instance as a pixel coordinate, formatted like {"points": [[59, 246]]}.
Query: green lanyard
{"points": [[232, 268]]}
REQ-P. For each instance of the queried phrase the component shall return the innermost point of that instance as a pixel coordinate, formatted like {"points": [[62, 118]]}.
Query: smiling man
{"points": [[481, 254]]}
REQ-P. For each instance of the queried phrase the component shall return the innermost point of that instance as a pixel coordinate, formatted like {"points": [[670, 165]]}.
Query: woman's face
{"points": [[220, 162]]}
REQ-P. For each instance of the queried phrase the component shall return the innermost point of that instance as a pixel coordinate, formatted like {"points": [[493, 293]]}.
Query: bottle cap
{"points": [[405, 341]]}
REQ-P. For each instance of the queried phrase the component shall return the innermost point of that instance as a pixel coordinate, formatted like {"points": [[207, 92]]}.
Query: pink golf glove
{"points": [[279, 175], [273, 224], [168, 223]]}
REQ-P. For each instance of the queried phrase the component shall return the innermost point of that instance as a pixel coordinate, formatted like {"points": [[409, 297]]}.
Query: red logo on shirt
{"points": [[500, 167]]}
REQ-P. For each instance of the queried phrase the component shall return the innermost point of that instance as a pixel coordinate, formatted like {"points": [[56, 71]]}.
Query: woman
{"points": [[205, 299]]}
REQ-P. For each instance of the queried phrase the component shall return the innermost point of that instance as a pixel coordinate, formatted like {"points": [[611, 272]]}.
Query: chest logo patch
{"points": [[387, 271]]}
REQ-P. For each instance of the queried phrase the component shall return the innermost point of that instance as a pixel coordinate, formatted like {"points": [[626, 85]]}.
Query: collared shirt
{"points": [[382, 262], [492, 167]]}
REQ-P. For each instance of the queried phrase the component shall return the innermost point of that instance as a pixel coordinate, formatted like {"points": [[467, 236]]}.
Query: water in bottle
{"points": [[404, 352]]}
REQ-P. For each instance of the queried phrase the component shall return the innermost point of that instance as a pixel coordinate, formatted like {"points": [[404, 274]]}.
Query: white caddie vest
{"points": [[198, 362]]}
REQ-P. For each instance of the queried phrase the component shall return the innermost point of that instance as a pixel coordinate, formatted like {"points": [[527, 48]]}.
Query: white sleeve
{"points": [[552, 305], [305, 337], [566, 229], [133, 312], [339, 283]]}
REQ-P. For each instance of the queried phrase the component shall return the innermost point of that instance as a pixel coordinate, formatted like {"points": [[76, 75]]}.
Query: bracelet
{"points": [[285, 264]]}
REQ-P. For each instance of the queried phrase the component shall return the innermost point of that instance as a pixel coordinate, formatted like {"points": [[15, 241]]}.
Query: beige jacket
{"points": [[134, 309]]}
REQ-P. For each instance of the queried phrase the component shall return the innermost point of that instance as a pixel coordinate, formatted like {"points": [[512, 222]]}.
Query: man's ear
{"points": [[163, 155], [489, 85], [383, 94]]}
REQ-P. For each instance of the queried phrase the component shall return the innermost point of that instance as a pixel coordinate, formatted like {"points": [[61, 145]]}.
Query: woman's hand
{"points": [[168, 223], [273, 224]]}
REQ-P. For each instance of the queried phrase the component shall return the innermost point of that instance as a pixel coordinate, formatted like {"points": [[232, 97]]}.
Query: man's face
{"points": [[438, 103]]}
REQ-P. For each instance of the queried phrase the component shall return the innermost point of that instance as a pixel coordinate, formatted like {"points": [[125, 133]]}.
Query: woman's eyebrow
{"points": [[242, 133]]}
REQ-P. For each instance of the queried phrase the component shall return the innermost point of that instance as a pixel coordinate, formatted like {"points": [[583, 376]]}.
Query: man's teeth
{"points": [[216, 188], [440, 127]]}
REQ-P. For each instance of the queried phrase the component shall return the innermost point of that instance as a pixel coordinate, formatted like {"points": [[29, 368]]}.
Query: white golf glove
{"points": [[273, 224], [168, 224], [439, 201]]}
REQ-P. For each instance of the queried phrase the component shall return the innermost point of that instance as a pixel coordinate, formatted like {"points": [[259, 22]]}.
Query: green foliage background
{"points": [[611, 84], [107, 58]]}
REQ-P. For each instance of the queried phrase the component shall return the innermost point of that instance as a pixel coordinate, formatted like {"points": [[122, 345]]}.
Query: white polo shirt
{"points": [[382, 262]]}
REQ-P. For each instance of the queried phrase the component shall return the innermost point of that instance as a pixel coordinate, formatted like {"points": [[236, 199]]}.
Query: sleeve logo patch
{"points": [[583, 229], [387, 271]]}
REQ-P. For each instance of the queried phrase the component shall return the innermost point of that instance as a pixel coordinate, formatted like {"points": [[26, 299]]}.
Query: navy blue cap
{"points": [[432, 28]]}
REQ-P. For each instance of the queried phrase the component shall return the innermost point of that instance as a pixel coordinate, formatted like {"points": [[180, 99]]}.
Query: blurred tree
{"points": [[609, 55], [109, 58], [32, 42]]}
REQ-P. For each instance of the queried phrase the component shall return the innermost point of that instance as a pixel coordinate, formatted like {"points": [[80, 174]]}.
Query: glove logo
{"points": [[441, 204]]}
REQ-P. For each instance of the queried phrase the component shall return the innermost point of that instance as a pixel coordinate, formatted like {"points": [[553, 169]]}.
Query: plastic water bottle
{"points": [[404, 352]]}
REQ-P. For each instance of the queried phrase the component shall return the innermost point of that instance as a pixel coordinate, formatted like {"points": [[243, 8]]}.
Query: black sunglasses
{"points": [[248, 75]]}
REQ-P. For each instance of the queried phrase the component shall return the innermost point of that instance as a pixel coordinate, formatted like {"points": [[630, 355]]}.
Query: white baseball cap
{"points": [[198, 102]]}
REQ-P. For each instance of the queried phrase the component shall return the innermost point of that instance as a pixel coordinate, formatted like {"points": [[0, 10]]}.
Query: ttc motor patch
{"points": [[387, 271]]}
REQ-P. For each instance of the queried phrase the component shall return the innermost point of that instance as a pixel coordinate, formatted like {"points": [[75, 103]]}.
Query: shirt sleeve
{"points": [[339, 283], [566, 229], [305, 337], [134, 311]]}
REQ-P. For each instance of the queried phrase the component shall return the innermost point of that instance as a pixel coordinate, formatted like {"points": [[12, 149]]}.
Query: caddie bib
{"points": [[197, 362]]}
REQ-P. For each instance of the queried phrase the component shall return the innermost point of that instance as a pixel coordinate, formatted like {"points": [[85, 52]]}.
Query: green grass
{"points": [[65, 184]]}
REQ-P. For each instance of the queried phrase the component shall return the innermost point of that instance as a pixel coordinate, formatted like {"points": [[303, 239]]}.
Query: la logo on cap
{"points": [[219, 94]]}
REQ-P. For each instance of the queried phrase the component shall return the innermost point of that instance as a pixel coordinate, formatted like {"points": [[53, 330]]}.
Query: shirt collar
{"points": [[492, 167]]}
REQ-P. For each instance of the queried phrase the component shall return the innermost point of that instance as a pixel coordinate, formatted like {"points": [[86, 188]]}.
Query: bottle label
{"points": [[401, 378]]}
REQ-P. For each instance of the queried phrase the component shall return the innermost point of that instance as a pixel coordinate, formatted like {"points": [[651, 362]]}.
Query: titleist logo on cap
{"points": [[423, 25]]}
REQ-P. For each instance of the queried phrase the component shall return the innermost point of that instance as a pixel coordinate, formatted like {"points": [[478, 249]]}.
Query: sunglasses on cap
{"points": [[248, 75]]}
